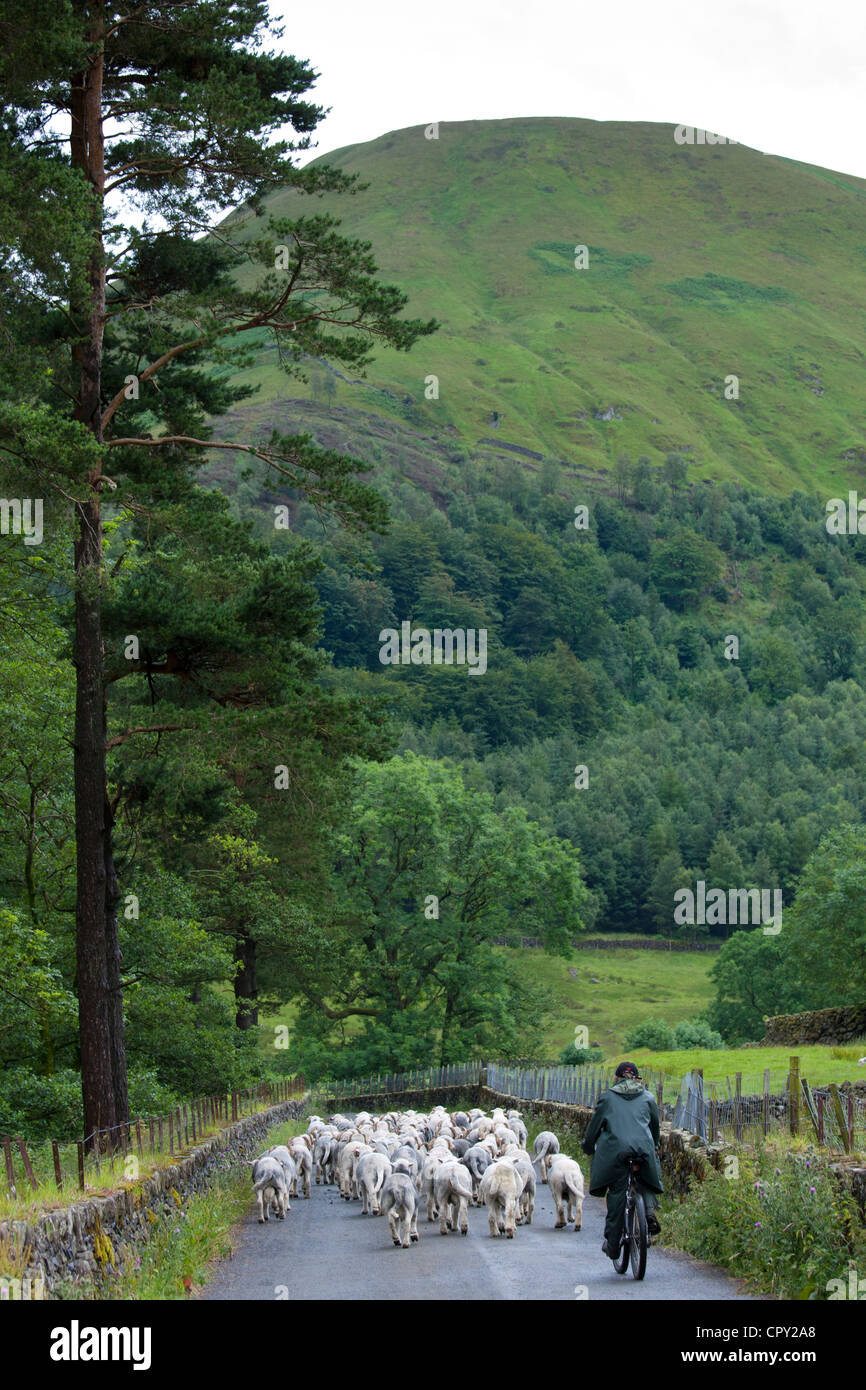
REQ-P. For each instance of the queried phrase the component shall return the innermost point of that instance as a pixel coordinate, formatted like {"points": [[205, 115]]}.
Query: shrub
{"points": [[653, 1033], [659, 1036], [573, 1056], [695, 1032]]}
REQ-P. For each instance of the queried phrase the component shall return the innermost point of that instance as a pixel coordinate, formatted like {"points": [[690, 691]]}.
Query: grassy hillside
{"points": [[703, 261]]}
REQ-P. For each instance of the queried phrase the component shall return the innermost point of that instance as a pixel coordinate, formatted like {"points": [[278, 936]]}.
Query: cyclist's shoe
{"points": [[652, 1224], [612, 1254]]}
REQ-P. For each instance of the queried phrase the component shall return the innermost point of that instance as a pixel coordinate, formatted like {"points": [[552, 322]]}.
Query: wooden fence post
{"points": [[170, 1131], [58, 1173], [766, 1106], [10, 1171], [738, 1106], [820, 1117], [25, 1159], [80, 1146], [850, 1122], [809, 1102], [839, 1114], [794, 1095]]}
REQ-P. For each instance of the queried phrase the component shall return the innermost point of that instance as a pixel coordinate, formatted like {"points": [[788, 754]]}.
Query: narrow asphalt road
{"points": [[326, 1250]]}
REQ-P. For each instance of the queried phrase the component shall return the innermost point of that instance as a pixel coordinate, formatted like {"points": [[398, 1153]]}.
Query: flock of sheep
{"points": [[393, 1162]]}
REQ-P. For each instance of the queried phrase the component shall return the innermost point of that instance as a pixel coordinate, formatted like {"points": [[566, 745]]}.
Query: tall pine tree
{"points": [[127, 129]]}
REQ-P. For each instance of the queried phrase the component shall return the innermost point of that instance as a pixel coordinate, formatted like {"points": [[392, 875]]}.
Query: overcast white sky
{"points": [[784, 76]]}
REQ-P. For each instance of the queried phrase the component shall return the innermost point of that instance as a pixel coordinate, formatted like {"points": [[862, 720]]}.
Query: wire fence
{"points": [[124, 1150]]}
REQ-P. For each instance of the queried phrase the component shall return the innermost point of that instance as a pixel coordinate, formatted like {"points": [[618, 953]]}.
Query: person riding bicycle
{"points": [[625, 1121]]}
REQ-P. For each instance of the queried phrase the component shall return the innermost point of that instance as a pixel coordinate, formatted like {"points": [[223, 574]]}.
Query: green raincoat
{"points": [[625, 1119]]}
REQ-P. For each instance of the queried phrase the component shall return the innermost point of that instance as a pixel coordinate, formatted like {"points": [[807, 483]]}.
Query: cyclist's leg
{"points": [[651, 1200], [615, 1211]]}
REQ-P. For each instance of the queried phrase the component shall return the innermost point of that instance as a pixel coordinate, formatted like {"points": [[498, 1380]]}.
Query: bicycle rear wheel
{"points": [[637, 1245], [620, 1264]]}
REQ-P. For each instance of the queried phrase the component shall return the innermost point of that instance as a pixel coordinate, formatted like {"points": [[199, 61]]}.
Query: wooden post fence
{"points": [[10, 1171], [58, 1173], [794, 1095], [25, 1159], [820, 1117], [839, 1114]]}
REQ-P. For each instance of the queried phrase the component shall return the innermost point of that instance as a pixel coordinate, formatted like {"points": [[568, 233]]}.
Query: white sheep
{"points": [[372, 1170], [300, 1151], [346, 1162], [453, 1192], [501, 1187], [546, 1145], [289, 1166], [526, 1206], [515, 1122], [270, 1187], [477, 1159], [322, 1153], [434, 1160], [566, 1188], [400, 1205]]}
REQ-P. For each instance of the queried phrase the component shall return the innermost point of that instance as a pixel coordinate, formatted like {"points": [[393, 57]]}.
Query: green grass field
{"points": [[819, 1065], [613, 990]]}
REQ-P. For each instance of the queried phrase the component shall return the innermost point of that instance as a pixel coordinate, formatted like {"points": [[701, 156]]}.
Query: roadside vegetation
{"points": [[784, 1223]]}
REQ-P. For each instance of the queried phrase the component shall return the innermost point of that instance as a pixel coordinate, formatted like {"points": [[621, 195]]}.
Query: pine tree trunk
{"points": [[94, 1024], [246, 983], [100, 1002], [113, 958]]}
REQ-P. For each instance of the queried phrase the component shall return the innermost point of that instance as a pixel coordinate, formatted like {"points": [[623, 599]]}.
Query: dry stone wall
{"points": [[90, 1239], [843, 1025]]}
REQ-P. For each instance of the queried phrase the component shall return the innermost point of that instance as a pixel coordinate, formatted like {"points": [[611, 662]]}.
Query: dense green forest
{"points": [[606, 652], [215, 798]]}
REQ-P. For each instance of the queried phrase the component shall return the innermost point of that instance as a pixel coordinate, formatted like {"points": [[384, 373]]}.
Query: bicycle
{"points": [[635, 1237]]}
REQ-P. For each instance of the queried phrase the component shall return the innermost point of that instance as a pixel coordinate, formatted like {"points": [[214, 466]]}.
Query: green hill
{"points": [[703, 262]]}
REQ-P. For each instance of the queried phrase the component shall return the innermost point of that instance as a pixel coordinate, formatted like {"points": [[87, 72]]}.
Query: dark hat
{"points": [[627, 1069]]}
